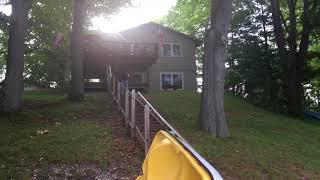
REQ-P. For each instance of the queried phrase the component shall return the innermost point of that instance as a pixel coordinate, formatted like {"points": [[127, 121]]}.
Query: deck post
{"points": [[133, 113], [119, 93], [146, 128], [127, 107]]}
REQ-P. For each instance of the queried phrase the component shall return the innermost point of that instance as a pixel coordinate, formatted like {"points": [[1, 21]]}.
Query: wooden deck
{"points": [[99, 48], [101, 51]]}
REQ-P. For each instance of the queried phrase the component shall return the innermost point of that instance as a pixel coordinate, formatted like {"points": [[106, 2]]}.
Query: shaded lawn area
{"points": [[263, 144], [71, 138]]}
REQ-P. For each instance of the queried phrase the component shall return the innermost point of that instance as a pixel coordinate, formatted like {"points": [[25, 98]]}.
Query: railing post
{"points": [[119, 98], [113, 85], [127, 107], [146, 127], [133, 113], [109, 82]]}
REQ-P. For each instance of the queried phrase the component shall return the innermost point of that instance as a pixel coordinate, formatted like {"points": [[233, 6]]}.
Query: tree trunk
{"points": [[212, 112], [268, 92], [77, 88], [292, 59], [12, 89]]}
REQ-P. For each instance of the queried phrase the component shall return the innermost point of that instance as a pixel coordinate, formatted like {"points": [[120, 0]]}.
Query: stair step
{"points": [[152, 128]]}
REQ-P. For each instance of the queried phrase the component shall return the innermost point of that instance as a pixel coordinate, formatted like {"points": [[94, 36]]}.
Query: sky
{"points": [[6, 9], [141, 12]]}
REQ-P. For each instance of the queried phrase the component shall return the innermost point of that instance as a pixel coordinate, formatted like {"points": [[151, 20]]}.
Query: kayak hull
{"points": [[168, 159]]}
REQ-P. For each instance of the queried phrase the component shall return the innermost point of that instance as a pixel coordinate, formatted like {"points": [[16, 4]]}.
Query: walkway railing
{"points": [[140, 116], [144, 120]]}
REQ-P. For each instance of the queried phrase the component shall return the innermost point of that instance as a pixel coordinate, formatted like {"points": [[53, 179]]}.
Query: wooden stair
{"points": [[155, 125]]}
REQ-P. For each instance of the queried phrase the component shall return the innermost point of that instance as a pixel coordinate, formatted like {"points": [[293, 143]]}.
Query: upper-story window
{"points": [[171, 50]]}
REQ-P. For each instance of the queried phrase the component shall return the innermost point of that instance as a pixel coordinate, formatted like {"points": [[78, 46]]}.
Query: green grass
{"points": [[74, 135], [262, 144]]}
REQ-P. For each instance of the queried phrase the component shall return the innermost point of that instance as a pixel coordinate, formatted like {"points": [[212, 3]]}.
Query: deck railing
{"points": [[122, 49], [144, 120], [140, 116]]}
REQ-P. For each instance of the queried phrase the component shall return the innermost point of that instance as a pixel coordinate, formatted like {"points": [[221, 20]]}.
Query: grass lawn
{"points": [[262, 144], [71, 138]]}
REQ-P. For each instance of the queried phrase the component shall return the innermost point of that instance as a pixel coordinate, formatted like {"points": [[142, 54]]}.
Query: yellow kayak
{"points": [[172, 158]]}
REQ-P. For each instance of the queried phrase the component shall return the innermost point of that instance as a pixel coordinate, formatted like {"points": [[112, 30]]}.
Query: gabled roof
{"points": [[187, 36], [120, 37], [195, 40], [104, 36]]}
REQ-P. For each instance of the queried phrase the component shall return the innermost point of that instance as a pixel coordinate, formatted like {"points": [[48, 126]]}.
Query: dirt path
{"points": [[128, 159]]}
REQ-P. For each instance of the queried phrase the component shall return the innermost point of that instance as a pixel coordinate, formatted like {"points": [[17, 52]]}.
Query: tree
{"points": [[79, 16], [77, 89], [46, 65], [12, 89], [292, 48], [252, 64], [191, 17], [45, 20], [212, 102]]}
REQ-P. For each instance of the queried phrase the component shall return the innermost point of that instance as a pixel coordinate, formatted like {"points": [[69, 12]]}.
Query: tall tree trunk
{"points": [[292, 59], [77, 88], [268, 72], [303, 49], [292, 80], [212, 112], [12, 89]]}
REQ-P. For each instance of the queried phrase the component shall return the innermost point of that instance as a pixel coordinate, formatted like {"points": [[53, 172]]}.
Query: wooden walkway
{"points": [[140, 117], [143, 120]]}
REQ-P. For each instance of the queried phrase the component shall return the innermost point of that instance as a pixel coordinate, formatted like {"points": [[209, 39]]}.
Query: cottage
{"points": [[155, 57]]}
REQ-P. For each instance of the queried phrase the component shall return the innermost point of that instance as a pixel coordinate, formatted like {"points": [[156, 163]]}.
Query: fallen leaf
{"points": [[45, 131]]}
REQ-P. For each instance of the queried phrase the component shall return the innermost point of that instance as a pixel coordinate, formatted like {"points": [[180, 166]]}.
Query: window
{"points": [[166, 50], [171, 80], [176, 50], [171, 50], [94, 80]]}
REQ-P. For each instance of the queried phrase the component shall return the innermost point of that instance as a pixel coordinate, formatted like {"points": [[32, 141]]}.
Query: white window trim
{"points": [[171, 73], [171, 50]]}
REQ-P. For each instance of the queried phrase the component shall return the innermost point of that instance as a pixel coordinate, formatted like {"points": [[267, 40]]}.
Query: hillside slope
{"points": [[52, 138], [262, 144]]}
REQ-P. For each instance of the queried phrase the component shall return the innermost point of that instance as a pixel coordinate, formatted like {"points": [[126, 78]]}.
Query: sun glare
{"points": [[6, 9], [141, 12]]}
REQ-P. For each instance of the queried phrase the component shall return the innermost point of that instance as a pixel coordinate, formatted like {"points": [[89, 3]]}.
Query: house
{"points": [[156, 57]]}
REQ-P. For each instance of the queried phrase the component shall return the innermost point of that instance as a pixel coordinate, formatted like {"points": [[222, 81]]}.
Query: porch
{"points": [[104, 50]]}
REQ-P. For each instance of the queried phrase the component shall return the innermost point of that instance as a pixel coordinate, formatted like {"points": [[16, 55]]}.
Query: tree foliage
{"points": [[36, 30], [45, 65], [254, 69], [292, 29]]}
